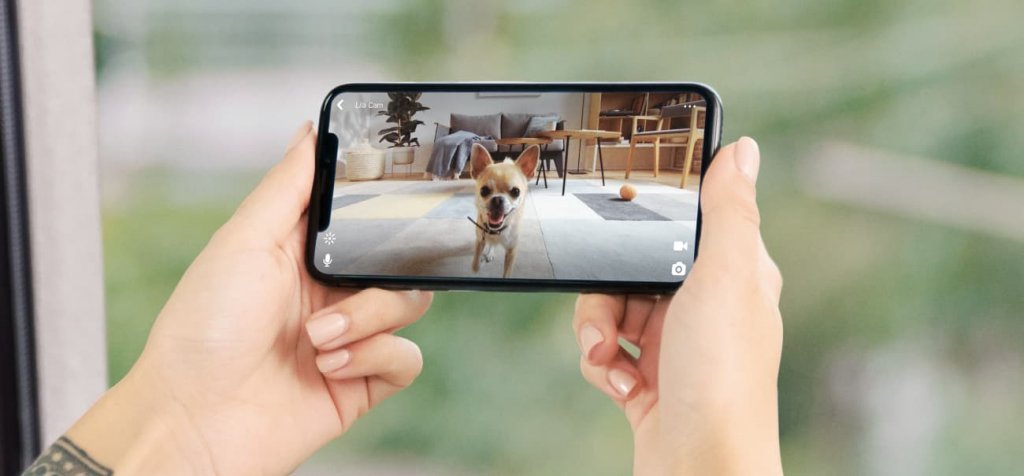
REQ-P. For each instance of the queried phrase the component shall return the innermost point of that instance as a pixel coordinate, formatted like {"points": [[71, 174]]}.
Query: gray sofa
{"points": [[504, 126]]}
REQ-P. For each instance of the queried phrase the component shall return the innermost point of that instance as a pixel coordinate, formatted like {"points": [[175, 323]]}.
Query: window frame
{"points": [[51, 225], [19, 431]]}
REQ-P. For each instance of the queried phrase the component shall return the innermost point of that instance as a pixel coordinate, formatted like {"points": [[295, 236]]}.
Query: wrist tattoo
{"points": [[66, 458]]}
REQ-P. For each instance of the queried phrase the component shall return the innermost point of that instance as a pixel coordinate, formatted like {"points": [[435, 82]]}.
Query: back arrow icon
{"points": [[339, 104]]}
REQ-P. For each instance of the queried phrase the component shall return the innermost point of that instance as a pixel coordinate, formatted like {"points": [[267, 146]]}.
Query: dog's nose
{"points": [[496, 206]]}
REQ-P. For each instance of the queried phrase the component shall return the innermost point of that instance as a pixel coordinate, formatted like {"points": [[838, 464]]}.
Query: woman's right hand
{"points": [[252, 365], [701, 397]]}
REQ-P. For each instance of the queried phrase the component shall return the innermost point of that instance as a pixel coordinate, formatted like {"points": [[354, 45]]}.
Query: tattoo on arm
{"points": [[65, 458]]}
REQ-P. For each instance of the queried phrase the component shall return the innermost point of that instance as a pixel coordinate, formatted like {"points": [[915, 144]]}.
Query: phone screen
{"points": [[477, 186]]}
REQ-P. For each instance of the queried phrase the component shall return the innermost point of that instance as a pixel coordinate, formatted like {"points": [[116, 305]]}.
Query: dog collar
{"points": [[488, 230]]}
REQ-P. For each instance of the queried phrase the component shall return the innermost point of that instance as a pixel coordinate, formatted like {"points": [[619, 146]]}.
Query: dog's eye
{"points": [[514, 192], [485, 191]]}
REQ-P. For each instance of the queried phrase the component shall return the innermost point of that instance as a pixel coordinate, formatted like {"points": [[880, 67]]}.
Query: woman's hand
{"points": [[251, 365], [701, 397]]}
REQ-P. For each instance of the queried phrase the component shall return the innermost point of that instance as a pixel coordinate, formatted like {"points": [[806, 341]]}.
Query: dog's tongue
{"points": [[495, 220]]}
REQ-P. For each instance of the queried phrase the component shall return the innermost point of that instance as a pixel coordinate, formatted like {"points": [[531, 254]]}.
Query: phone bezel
{"points": [[325, 172]]}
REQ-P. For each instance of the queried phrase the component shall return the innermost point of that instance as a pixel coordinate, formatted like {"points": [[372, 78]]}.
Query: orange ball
{"points": [[627, 192]]}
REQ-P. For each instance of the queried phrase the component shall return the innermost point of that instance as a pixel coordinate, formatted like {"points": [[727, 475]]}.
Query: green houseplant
{"points": [[401, 109], [400, 112]]}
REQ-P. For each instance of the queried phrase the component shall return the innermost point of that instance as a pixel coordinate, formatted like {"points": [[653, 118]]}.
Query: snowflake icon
{"points": [[329, 238]]}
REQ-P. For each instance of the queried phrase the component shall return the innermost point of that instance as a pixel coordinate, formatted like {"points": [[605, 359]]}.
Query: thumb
{"points": [[730, 228], [278, 202]]}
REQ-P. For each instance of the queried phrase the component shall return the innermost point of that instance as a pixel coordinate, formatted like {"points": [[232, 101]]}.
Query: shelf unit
{"points": [[645, 107]]}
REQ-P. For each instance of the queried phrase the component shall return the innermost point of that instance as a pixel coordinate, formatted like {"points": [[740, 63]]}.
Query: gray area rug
{"points": [[351, 199], [674, 206], [461, 205], [611, 207]]}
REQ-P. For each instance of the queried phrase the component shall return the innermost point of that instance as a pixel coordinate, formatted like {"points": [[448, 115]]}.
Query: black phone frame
{"points": [[326, 157]]}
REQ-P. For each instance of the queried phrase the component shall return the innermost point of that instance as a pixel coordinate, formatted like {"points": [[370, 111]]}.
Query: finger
{"points": [[333, 295], [274, 206], [368, 312], [650, 343], [596, 323], [619, 379], [393, 359], [638, 311], [730, 217]]}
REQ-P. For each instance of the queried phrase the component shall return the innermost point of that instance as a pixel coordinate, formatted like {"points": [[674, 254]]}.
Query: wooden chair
{"points": [[688, 135]]}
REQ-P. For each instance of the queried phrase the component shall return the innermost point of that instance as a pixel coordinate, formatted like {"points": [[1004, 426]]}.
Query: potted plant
{"points": [[400, 112]]}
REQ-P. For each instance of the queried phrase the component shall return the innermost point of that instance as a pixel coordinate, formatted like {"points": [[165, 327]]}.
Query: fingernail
{"points": [[590, 337], [323, 329], [302, 132], [622, 381], [748, 157], [332, 361]]}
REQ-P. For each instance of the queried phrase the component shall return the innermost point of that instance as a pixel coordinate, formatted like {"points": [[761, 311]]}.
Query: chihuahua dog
{"points": [[500, 197]]}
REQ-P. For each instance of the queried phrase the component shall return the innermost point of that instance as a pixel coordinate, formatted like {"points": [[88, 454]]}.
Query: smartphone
{"points": [[582, 187]]}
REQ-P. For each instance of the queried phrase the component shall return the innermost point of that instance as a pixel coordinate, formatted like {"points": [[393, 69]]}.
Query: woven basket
{"points": [[364, 162]]}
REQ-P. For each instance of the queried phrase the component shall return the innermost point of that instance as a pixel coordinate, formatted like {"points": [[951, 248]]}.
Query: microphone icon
{"points": [[327, 260]]}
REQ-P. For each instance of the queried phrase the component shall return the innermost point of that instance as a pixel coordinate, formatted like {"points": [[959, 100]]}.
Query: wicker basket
{"points": [[364, 162]]}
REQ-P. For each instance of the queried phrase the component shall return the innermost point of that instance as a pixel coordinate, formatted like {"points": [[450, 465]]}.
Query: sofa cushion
{"points": [[514, 124], [486, 125], [539, 124], [488, 144]]}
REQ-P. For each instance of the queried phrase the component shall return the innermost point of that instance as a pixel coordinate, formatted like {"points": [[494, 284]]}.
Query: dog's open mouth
{"points": [[495, 221]]}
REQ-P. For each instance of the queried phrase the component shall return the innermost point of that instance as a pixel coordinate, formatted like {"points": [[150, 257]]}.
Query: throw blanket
{"points": [[450, 154]]}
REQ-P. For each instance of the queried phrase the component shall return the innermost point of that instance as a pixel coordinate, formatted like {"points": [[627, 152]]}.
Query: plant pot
{"points": [[403, 155]]}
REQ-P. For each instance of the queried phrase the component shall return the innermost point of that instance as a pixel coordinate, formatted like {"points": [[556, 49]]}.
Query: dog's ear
{"points": [[527, 161], [479, 159]]}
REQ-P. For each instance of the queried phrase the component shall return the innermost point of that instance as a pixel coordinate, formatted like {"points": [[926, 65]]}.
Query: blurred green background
{"points": [[903, 318]]}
